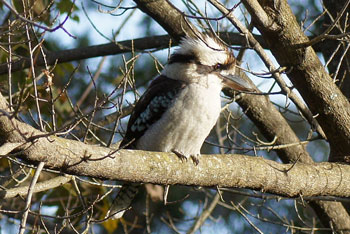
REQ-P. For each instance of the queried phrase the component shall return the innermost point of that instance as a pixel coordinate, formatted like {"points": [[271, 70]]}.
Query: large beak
{"points": [[236, 83]]}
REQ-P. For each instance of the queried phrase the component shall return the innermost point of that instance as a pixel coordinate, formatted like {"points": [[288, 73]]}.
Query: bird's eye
{"points": [[218, 66]]}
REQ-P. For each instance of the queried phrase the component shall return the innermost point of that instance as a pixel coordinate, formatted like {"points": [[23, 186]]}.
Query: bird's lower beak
{"points": [[236, 83]]}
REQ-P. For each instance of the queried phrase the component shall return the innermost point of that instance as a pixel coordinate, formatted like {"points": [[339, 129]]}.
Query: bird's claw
{"points": [[195, 159], [184, 158], [181, 156]]}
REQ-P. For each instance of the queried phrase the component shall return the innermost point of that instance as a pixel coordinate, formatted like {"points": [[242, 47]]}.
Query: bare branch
{"points": [[308, 75], [22, 226], [39, 187], [205, 214], [77, 158]]}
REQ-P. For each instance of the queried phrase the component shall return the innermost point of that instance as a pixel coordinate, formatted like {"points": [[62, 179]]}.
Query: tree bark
{"points": [[272, 124], [282, 33], [240, 171], [279, 27]]}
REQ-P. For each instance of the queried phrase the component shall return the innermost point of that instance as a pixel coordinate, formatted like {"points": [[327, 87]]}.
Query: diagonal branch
{"points": [[205, 214], [314, 84], [272, 124], [269, 64], [307, 73], [39, 187], [22, 226]]}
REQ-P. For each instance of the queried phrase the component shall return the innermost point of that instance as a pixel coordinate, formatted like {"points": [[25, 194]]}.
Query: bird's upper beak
{"points": [[235, 82]]}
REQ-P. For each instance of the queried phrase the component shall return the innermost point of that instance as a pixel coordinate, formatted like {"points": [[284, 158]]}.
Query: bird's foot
{"points": [[195, 158], [181, 156]]}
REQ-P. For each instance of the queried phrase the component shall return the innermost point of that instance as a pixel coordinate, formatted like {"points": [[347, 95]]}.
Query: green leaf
{"points": [[64, 6], [75, 18]]}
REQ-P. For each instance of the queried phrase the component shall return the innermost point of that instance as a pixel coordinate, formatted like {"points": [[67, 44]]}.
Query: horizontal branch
{"points": [[258, 109], [239, 171], [76, 54], [114, 48], [140, 44]]}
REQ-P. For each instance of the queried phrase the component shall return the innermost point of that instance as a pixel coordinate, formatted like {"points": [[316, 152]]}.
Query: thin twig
{"points": [[325, 35], [246, 217], [31, 53], [10, 67], [22, 226], [60, 26], [269, 64], [205, 214]]}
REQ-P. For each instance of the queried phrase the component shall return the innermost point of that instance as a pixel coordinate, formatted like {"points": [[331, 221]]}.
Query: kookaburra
{"points": [[181, 106]]}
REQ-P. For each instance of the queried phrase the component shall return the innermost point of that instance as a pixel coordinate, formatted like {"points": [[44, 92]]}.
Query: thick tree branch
{"points": [[283, 34], [77, 158], [315, 85], [272, 124], [269, 64], [165, 14]]}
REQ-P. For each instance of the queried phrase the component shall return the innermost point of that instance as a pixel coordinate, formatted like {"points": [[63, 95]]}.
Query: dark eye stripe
{"points": [[191, 58], [183, 58]]}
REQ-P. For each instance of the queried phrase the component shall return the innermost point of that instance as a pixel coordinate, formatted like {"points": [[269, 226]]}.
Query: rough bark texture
{"points": [[282, 33], [168, 17], [262, 112], [342, 55], [279, 27], [74, 157]]}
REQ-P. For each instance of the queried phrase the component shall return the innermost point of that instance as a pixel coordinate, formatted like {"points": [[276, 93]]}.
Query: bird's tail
{"points": [[123, 200]]}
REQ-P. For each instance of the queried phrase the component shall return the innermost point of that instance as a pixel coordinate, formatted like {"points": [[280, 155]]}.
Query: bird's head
{"points": [[203, 60]]}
